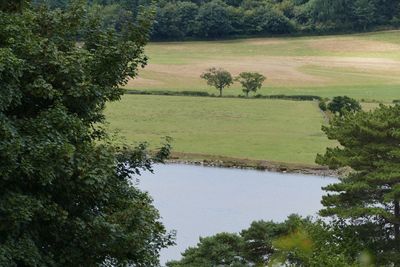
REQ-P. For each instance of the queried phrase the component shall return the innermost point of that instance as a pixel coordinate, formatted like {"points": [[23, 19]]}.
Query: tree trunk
{"points": [[247, 93], [397, 222], [220, 92]]}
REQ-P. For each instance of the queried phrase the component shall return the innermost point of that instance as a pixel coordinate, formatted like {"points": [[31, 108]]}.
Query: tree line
{"points": [[177, 19]]}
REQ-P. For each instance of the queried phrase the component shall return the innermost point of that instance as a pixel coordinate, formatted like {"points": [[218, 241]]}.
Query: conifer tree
{"points": [[370, 146]]}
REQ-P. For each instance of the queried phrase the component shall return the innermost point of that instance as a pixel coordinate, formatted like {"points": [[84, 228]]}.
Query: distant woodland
{"points": [[202, 19]]}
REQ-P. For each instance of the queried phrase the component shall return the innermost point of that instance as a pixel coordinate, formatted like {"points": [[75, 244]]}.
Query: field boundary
{"points": [[314, 98], [375, 29], [206, 94]]}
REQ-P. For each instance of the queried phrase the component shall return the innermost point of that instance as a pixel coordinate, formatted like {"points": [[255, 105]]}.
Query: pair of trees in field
{"points": [[220, 79]]}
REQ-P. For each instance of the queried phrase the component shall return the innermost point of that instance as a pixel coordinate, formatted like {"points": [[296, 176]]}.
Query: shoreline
{"points": [[252, 164]]}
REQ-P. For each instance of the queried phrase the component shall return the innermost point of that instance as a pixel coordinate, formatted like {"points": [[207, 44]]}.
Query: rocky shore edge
{"points": [[261, 165]]}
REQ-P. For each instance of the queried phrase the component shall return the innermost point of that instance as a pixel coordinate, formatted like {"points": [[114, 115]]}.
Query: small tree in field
{"points": [[219, 78], [250, 81]]}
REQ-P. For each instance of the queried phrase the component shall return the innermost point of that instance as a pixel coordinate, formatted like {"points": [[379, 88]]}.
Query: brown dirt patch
{"points": [[352, 45], [139, 81], [363, 64], [278, 70], [265, 41], [172, 46]]}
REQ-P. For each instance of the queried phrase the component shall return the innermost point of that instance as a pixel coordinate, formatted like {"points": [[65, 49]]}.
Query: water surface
{"points": [[201, 201]]}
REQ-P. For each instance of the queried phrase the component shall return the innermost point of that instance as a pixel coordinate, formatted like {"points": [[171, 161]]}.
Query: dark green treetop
{"points": [[251, 247], [223, 249], [343, 104]]}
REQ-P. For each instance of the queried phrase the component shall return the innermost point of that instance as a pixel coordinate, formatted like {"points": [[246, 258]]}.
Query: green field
{"points": [[277, 130], [363, 66]]}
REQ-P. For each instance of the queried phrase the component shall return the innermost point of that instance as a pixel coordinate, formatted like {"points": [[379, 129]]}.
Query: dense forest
{"points": [[226, 18]]}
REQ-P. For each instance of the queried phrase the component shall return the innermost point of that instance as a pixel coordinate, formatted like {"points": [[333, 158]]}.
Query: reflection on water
{"points": [[201, 201]]}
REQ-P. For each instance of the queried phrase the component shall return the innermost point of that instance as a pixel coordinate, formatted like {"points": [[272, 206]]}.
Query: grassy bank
{"points": [[257, 129]]}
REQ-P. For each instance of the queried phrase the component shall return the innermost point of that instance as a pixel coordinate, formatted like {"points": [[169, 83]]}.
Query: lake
{"points": [[201, 201]]}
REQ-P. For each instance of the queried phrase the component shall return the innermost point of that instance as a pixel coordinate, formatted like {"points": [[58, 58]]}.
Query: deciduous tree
{"points": [[250, 81], [66, 194], [219, 78]]}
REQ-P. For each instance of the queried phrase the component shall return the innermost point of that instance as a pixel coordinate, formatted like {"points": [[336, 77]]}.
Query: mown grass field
{"points": [[363, 66], [276, 130]]}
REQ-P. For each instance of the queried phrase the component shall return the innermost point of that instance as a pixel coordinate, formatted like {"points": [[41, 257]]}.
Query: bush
{"points": [[205, 94], [322, 106], [170, 93], [343, 104], [291, 97]]}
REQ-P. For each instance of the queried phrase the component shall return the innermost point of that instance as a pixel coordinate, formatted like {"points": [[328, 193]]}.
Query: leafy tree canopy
{"points": [[66, 194], [250, 81], [179, 19], [218, 78]]}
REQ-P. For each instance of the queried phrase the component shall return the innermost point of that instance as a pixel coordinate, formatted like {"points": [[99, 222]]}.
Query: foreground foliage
{"points": [[369, 196], [251, 246], [364, 229], [66, 196], [294, 242]]}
